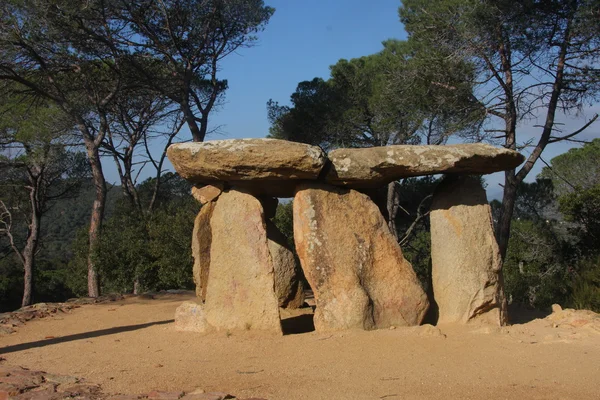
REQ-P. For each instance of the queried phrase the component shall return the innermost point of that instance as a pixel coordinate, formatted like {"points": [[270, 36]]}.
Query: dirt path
{"points": [[131, 346]]}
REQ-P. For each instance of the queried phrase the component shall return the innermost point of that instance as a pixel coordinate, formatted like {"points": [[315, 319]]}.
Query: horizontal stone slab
{"points": [[377, 166], [260, 165]]}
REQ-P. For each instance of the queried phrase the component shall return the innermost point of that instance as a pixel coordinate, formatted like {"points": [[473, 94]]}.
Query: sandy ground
{"points": [[131, 346]]}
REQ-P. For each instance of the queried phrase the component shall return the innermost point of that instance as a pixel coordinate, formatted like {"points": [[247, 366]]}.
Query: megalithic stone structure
{"points": [[244, 272]]}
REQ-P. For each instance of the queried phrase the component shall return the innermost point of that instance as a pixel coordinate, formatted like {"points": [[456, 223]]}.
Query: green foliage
{"points": [[170, 232], [583, 208], [310, 118], [413, 226], [577, 169], [553, 250], [76, 280], [576, 179], [377, 100], [586, 286], [41, 170], [527, 59], [536, 271], [53, 281], [418, 252], [283, 220], [176, 47], [11, 282], [152, 248], [534, 200], [492, 34]]}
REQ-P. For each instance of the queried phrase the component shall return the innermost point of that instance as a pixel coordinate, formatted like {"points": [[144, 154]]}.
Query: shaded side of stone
{"points": [[201, 243], [466, 263], [288, 286], [269, 205]]}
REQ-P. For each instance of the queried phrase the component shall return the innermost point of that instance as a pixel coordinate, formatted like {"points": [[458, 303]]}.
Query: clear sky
{"points": [[301, 41]]}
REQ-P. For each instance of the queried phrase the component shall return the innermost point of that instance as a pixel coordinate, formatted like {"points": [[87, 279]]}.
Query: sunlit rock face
{"points": [[376, 166], [353, 263], [466, 262], [260, 166]]}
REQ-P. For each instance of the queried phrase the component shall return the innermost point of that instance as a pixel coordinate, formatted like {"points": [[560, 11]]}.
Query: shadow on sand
{"points": [[79, 336], [300, 324], [520, 315]]}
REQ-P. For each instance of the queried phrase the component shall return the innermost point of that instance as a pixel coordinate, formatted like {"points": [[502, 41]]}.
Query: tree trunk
{"points": [[28, 265], [393, 202], [31, 245], [506, 212], [136, 285], [96, 218], [28, 281], [190, 119], [203, 126]]}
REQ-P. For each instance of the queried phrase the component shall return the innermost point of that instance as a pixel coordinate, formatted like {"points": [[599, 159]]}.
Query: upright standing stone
{"points": [[466, 263], [240, 292], [353, 263], [288, 286]]}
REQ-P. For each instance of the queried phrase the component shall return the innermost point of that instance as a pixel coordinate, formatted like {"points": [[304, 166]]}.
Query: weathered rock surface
{"points": [[288, 286], [240, 292], [376, 166], [201, 241], [353, 263], [263, 166], [24, 384], [466, 263], [574, 318], [189, 317], [207, 193]]}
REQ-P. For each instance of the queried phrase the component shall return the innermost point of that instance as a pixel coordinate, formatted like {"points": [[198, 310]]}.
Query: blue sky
{"points": [[305, 37]]}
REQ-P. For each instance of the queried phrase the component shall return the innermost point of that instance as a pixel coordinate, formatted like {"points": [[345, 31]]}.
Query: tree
{"points": [[63, 53], [378, 100], [576, 178], [138, 119], [537, 269], [314, 105], [577, 169], [149, 251], [39, 169], [186, 41], [82, 56], [532, 58], [553, 251]]}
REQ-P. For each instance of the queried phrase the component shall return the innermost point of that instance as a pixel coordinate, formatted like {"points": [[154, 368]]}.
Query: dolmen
{"points": [[245, 271]]}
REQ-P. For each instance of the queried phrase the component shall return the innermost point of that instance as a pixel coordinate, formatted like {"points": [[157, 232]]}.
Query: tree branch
{"points": [[554, 139]]}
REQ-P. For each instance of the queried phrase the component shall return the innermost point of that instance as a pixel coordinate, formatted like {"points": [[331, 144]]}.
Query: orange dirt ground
{"points": [[131, 346]]}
